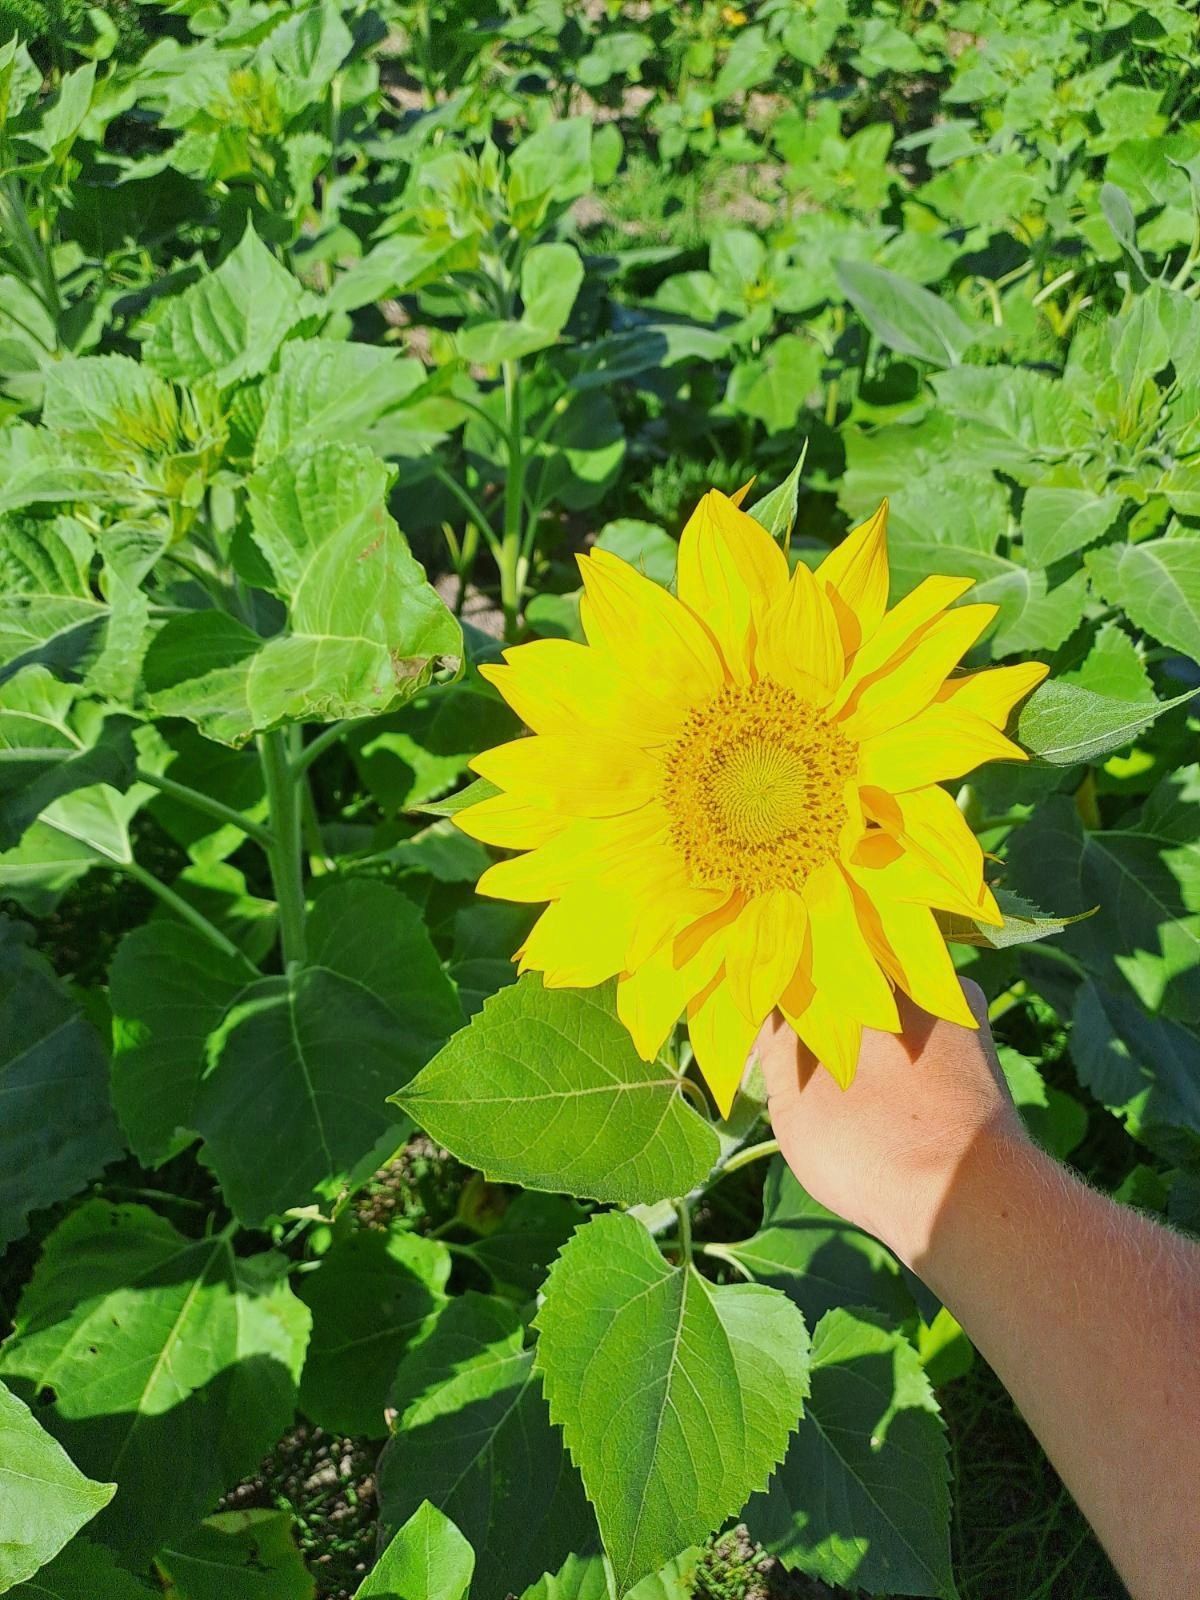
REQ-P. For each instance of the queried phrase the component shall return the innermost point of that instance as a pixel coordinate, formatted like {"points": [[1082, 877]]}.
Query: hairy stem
{"points": [[180, 907], [753, 1152], [286, 854], [202, 802]]}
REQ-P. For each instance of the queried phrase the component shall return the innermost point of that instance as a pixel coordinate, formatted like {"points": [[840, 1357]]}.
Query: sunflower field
{"points": [[368, 1233]]}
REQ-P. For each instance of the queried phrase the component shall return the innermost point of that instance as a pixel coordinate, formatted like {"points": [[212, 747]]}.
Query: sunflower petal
{"points": [[558, 686], [764, 948], [855, 574], [940, 742], [844, 971], [910, 947], [578, 941], [722, 1039], [580, 775], [833, 1037], [651, 999], [634, 620], [509, 823], [730, 573], [928, 823], [900, 628], [993, 693], [591, 849], [798, 643], [907, 685]]}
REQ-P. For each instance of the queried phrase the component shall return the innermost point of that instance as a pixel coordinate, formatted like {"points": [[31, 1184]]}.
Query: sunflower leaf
{"points": [[545, 1089], [863, 1498], [676, 1396]]}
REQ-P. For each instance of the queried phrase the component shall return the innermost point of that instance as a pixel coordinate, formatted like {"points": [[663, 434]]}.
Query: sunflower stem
{"points": [[694, 1093], [684, 1217], [753, 1152]]}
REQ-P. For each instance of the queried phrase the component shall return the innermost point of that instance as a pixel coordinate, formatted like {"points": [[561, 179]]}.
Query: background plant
{"points": [[328, 334]]}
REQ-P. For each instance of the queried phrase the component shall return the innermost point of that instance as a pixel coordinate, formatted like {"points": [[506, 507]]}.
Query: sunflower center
{"points": [[754, 788]]}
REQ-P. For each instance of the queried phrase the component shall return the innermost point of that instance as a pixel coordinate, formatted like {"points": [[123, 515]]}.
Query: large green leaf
{"points": [[248, 1554], [295, 1096], [63, 761], [58, 1129], [230, 322], [83, 1569], [863, 1498], [44, 1498], [144, 1347], [1143, 1068], [169, 987], [1020, 418], [50, 746], [1145, 877], [1157, 585], [47, 604], [517, 1252], [373, 1294], [329, 389], [676, 1397], [904, 316], [551, 275], [365, 630], [545, 1089], [428, 1559], [584, 1578], [1059, 518], [1066, 723], [814, 1257], [472, 1436]]}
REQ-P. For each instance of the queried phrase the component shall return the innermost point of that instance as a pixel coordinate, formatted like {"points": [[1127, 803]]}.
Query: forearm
{"points": [[1090, 1316]]}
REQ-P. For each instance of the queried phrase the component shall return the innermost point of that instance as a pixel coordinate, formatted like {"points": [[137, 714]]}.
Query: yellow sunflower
{"points": [[731, 799]]}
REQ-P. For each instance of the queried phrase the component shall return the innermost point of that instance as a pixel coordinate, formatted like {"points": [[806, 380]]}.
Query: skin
{"points": [[1088, 1312]]}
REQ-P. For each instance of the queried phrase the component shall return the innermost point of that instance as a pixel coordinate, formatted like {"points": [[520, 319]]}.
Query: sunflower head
{"points": [[731, 801]]}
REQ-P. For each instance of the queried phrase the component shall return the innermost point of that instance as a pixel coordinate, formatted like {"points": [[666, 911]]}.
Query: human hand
{"points": [[884, 1152]]}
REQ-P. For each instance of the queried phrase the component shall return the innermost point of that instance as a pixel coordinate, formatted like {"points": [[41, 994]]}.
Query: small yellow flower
{"points": [[731, 798], [732, 17]]}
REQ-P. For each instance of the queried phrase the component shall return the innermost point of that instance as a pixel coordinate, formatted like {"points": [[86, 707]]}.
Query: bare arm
{"points": [[1088, 1312]]}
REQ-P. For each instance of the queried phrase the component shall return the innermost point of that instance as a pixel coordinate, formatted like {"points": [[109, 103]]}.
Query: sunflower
{"points": [[731, 798]]}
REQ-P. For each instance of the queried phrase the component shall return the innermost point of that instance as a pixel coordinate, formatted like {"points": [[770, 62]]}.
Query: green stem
{"points": [[684, 1217], [303, 759], [285, 855], [716, 1252], [694, 1093], [202, 802], [469, 504], [181, 908], [753, 1152], [510, 545]]}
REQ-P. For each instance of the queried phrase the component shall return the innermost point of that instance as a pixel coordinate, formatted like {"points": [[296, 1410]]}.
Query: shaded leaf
{"points": [[863, 1498], [372, 1296], [147, 1347], [473, 1437], [58, 1129], [250, 1554]]}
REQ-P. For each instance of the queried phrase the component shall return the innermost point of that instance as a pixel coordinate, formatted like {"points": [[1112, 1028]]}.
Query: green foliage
{"points": [[46, 1497], [721, 1375], [568, 1103], [328, 335]]}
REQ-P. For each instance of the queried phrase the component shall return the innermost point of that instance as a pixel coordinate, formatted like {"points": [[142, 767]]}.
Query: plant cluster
{"points": [[330, 332]]}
